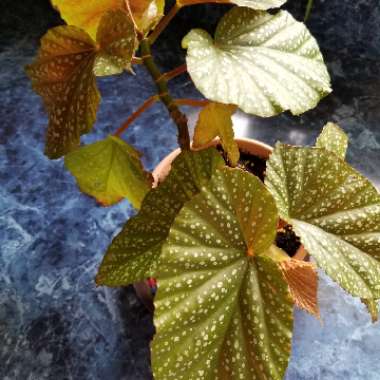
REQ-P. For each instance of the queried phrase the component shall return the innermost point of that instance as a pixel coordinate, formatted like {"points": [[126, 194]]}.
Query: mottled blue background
{"points": [[54, 322]]}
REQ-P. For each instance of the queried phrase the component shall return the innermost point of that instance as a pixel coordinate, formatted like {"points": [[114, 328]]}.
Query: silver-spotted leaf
{"points": [[133, 254], [110, 170], [263, 63], [334, 210], [63, 75], [334, 139], [223, 311], [116, 37], [215, 120]]}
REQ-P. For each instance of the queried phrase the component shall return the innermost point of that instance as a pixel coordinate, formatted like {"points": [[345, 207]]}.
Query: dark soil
{"points": [[287, 240], [254, 164]]}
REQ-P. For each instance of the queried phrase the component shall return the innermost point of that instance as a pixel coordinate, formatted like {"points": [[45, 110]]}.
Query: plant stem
{"points": [[309, 6], [148, 103], [175, 72], [192, 102], [164, 23], [163, 92]]}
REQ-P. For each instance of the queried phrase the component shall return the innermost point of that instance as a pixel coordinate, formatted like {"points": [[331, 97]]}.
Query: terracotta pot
{"points": [[254, 147]]}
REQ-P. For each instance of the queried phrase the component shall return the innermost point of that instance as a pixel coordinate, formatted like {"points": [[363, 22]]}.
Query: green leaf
{"points": [[334, 210], [215, 120], [117, 39], [133, 254], [254, 4], [110, 170], [333, 139], [222, 310], [62, 74], [263, 63], [86, 14]]}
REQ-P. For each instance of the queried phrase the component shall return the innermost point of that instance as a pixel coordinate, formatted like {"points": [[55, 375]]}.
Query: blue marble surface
{"points": [[54, 322]]}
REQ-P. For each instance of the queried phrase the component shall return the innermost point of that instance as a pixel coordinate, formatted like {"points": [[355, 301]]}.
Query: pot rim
{"points": [[252, 146]]}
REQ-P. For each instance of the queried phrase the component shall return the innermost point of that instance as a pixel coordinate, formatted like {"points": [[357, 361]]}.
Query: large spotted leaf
{"points": [[261, 62], [254, 4], [62, 74], [133, 254], [116, 37], [335, 211], [110, 170], [223, 311]]}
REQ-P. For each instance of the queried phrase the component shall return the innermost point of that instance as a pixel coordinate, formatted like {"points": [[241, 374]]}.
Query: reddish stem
{"points": [[148, 103], [192, 102]]}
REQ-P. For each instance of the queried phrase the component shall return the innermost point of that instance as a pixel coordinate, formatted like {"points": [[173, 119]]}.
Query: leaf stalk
{"points": [[147, 104]]}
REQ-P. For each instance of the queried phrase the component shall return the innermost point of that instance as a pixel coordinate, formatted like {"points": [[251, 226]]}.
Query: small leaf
{"points": [[302, 278], [254, 4], [333, 139], [222, 310], [133, 254], [215, 120], [147, 13], [117, 39], [86, 14], [334, 210], [263, 63], [62, 74], [109, 170]]}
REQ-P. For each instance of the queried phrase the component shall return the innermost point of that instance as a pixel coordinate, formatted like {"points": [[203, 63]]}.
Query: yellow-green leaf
{"points": [[110, 170], [334, 139], [63, 75], [215, 120], [116, 37], [86, 14]]}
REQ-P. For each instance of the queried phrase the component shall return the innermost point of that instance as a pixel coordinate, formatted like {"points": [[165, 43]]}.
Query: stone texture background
{"points": [[54, 322]]}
